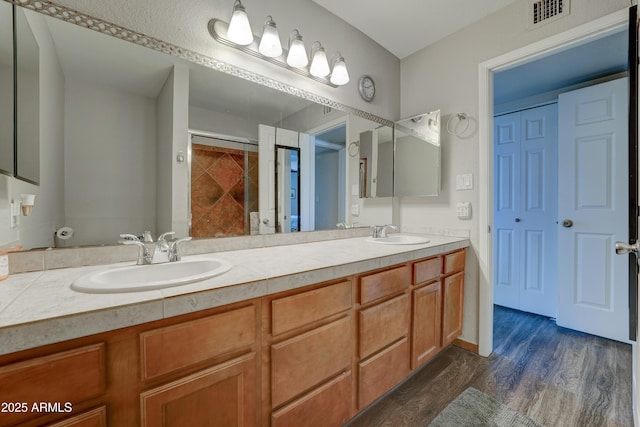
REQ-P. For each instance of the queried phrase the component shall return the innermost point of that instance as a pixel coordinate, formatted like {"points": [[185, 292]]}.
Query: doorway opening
{"points": [[577, 36], [330, 174]]}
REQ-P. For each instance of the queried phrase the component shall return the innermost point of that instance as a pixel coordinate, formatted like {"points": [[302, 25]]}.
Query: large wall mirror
{"points": [[153, 142], [27, 100], [6, 89], [418, 151]]}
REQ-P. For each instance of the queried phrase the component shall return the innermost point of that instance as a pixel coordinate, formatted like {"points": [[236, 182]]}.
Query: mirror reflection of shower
{"points": [[223, 185]]}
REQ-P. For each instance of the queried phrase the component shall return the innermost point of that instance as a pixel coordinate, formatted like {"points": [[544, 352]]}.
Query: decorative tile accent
{"points": [[218, 193]]}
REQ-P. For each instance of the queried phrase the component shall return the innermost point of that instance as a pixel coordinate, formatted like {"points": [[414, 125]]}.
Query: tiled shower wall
{"points": [[219, 183]]}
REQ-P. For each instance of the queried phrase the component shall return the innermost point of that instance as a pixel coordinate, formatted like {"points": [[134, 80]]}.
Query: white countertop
{"points": [[40, 308]]}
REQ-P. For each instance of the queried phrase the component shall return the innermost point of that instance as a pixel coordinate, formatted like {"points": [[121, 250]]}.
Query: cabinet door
{"points": [[427, 303], [452, 302], [224, 395], [94, 418]]}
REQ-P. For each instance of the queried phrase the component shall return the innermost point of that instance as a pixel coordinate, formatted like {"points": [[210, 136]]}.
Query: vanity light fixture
{"points": [[319, 63], [297, 56], [270, 42], [340, 74], [239, 30], [238, 34]]}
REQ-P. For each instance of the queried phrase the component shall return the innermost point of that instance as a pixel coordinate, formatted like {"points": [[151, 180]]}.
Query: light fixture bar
{"points": [[218, 30]]}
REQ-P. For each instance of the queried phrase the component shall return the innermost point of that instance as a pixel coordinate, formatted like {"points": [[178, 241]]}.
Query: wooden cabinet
{"points": [[52, 384], [309, 348], [452, 296], [452, 304], [383, 332], [223, 395], [94, 418], [314, 356], [427, 323]]}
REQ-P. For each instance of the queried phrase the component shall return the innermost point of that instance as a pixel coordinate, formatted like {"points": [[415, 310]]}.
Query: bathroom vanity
{"points": [[313, 331]]}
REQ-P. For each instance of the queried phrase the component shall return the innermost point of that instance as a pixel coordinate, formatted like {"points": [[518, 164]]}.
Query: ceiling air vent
{"points": [[545, 11]]}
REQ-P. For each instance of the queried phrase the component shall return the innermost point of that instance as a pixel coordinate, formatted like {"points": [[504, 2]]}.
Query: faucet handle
{"points": [[174, 254], [163, 236]]}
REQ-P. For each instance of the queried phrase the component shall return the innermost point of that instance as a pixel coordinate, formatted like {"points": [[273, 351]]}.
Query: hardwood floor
{"points": [[555, 376]]}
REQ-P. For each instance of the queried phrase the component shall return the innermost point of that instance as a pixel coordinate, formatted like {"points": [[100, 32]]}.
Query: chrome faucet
{"points": [[380, 231], [161, 252], [144, 256], [164, 251]]}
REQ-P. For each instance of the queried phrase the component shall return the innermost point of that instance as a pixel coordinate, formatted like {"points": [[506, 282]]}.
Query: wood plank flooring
{"points": [[555, 376]]}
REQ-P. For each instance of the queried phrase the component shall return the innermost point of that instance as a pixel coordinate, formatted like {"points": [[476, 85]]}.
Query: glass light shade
{"points": [[297, 56], [319, 63], [270, 42], [340, 74], [239, 30]]}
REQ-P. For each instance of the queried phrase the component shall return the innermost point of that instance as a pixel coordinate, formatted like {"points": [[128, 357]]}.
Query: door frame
{"points": [[572, 37]]}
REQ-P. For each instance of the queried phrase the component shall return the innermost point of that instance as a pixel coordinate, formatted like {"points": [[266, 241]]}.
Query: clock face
{"points": [[367, 88]]}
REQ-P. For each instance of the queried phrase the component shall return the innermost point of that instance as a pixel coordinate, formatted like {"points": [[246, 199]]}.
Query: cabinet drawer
{"points": [[223, 395], [328, 406], [454, 262], [298, 310], [383, 371], [383, 324], [94, 418], [306, 360], [174, 347], [384, 283], [72, 376], [427, 270]]}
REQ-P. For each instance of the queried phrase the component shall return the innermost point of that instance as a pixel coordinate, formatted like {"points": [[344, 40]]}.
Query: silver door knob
{"points": [[567, 223], [624, 248]]}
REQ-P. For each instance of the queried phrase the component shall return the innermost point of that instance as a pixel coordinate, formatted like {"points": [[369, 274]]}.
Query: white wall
{"points": [[226, 124], [184, 23], [326, 193], [105, 126], [48, 214], [445, 76]]}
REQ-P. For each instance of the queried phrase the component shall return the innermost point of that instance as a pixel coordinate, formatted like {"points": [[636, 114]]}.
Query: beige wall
{"points": [[445, 76]]}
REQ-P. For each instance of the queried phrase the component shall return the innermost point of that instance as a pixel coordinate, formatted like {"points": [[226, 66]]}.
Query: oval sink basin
{"points": [[400, 239], [148, 277]]}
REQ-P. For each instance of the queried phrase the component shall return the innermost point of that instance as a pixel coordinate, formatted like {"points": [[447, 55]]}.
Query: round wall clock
{"points": [[367, 88]]}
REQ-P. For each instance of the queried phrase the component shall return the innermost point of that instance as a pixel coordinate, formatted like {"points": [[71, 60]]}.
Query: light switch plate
{"points": [[464, 182], [355, 190]]}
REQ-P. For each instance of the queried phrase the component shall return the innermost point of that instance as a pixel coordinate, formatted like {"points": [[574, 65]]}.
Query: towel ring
{"points": [[461, 117], [354, 148]]}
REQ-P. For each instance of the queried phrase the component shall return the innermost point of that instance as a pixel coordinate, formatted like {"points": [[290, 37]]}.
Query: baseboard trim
{"points": [[466, 345]]}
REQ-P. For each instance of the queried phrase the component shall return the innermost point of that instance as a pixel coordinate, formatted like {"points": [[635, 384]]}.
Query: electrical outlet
{"points": [[355, 210], [463, 210]]}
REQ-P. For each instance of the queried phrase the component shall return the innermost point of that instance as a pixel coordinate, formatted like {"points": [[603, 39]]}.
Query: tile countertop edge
{"points": [[46, 331]]}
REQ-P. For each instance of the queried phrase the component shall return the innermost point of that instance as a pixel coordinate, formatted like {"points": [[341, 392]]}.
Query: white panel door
{"points": [[526, 210], [507, 210], [539, 210], [593, 210]]}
